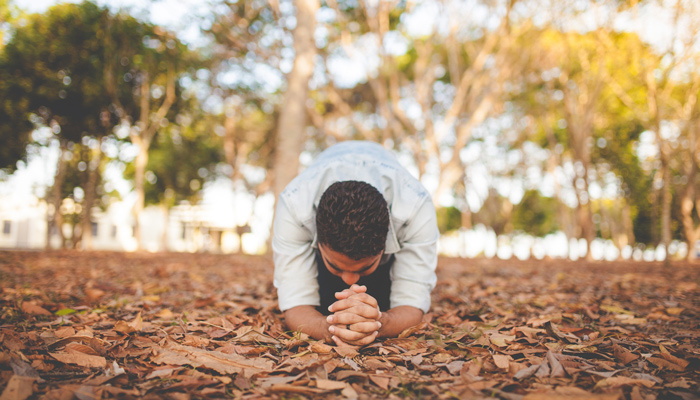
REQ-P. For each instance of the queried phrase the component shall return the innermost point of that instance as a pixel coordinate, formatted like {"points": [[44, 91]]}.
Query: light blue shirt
{"points": [[412, 236]]}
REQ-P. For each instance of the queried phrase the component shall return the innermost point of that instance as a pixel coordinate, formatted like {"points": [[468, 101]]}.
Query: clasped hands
{"points": [[355, 318]]}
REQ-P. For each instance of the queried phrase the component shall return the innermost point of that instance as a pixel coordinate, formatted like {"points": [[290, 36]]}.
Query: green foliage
{"points": [[448, 219], [57, 82], [496, 213], [536, 214], [180, 162]]}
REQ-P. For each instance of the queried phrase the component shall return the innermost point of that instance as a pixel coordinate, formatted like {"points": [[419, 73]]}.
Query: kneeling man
{"points": [[355, 246]]}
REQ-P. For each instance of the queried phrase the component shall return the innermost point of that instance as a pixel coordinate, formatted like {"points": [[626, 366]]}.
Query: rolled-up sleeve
{"points": [[295, 266], [413, 273]]}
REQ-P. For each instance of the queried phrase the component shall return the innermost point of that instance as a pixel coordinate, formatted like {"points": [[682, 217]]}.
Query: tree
{"points": [[56, 84], [292, 121], [428, 98], [536, 214], [180, 162], [153, 59], [671, 88]]}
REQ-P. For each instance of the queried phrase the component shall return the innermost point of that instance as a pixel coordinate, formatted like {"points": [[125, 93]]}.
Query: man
{"points": [[355, 247]]}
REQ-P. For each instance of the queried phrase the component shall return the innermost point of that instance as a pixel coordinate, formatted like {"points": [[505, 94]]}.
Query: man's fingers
{"points": [[349, 336], [362, 310], [355, 299], [365, 327], [355, 322], [346, 318], [354, 289], [355, 343]]}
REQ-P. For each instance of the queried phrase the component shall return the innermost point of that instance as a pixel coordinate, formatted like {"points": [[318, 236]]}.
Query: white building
{"points": [[189, 228]]}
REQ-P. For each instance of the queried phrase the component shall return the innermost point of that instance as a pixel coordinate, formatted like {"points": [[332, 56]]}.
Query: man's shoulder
{"points": [[360, 161]]}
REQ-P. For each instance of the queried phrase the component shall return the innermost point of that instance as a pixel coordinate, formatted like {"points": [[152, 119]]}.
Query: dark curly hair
{"points": [[353, 219]]}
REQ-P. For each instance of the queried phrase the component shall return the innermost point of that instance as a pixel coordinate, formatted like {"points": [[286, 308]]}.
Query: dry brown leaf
{"points": [[665, 364], [349, 393], [675, 310], [529, 332], [83, 360], [375, 363], [74, 348], [64, 332], [327, 384], [623, 355], [136, 325], [320, 347], [18, 388], [346, 351], [670, 357], [381, 381], [94, 294], [295, 389], [616, 381], [558, 396], [176, 354], [501, 361], [442, 358], [31, 308], [499, 339], [249, 335], [553, 331]]}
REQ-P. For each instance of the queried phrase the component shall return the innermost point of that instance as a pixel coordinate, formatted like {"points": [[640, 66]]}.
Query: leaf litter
{"points": [[92, 325]]}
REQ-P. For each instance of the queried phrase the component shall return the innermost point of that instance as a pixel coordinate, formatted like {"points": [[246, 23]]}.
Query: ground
{"points": [[102, 325]]}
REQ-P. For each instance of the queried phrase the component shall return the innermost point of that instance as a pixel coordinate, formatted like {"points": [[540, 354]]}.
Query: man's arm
{"points": [[309, 321], [399, 318]]}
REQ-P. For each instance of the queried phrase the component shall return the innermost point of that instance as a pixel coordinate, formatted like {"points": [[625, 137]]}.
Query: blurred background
{"points": [[542, 128]]}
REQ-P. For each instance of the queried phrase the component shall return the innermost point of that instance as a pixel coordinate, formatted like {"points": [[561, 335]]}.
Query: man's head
{"points": [[352, 221]]}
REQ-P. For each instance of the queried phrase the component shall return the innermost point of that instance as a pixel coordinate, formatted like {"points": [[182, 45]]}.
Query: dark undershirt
{"points": [[378, 284]]}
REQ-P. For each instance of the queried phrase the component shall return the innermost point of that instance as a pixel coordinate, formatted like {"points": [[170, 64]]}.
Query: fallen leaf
{"points": [[346, 351], [33, 309], [84, 360], [176, 354], [623, 355], [381, 381], [249, 335], [64, 332], [665, 364], [501, 361], [329, 384], [136, 325], [320, 347], [675, 310], [623, 381], [500, 340]]}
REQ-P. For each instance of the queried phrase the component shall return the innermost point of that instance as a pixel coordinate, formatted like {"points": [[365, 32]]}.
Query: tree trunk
{"points": [[688, 201], [143, 136], [290, 133], [587, 221], [139, 176], [56, 196], [166, 225], [666, 204], [89, 201], [692, 233]]}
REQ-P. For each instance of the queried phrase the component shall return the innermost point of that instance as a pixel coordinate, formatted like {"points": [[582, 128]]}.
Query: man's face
{"points": [[346, 268]]}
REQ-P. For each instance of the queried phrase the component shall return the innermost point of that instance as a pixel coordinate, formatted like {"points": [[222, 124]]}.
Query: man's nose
{"points": [[350, 278]]}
